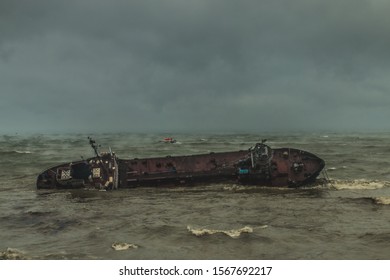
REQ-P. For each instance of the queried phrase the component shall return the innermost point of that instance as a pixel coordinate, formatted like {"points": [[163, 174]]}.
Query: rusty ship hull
{"points": [[260, 165]]}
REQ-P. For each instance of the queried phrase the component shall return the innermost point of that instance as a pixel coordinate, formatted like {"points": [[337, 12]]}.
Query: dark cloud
{"points": [[194, 65]]}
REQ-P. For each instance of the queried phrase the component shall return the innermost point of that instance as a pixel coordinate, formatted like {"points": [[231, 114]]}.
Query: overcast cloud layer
{"points": [[194, 65]]}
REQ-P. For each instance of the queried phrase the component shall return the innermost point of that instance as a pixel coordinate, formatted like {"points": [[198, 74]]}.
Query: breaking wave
{"points": [[384, 200], [330, 169], [359, 184], [15, 152], [120, 246], [23, 152], [13, 254], [233, 233]]}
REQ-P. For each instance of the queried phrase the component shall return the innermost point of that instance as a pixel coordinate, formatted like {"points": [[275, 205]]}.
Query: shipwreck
{"points": [[259, 165]]}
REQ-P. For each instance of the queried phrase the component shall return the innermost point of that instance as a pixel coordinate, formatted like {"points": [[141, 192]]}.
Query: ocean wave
{"points": [[22, 152], [359, 184], [120, 246], [13, 254], [235, 187], [233, 233], [383, 200], [15, 152], [336, 168]]}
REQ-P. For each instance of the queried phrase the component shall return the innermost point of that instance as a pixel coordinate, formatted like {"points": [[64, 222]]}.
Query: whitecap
{"points": [[12, 254], [336, 168], [359, 184], [384, 200], [233, 233], [23, 152], [120, 246], [234, 187]]}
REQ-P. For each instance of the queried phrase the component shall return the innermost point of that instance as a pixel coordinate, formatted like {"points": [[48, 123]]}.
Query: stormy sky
{"points": [[194, 65]]}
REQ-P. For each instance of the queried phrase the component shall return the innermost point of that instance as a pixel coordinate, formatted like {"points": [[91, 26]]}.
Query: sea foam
{"points": [[384, 200], [120, 246], [12, 254], [360, 184], [233, 233]]}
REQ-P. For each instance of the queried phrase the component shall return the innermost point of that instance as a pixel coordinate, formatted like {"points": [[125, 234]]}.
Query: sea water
{"points": [[347, 218]]}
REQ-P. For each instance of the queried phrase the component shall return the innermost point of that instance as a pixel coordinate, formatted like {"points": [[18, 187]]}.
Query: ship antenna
{"points": [[94, 147]]}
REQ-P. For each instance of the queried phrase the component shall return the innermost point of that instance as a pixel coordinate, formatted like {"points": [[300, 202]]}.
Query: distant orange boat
{"points": [[169, 140]]}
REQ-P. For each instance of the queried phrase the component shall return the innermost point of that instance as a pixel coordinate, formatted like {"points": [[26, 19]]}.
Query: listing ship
{"points": [[259, 165]]}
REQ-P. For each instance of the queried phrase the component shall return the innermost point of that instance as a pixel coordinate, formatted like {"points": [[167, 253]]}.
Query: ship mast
{"points": [[94, 147]]}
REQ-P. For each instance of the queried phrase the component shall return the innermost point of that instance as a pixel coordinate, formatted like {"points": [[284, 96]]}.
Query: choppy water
{"points": [[347, 219]]}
